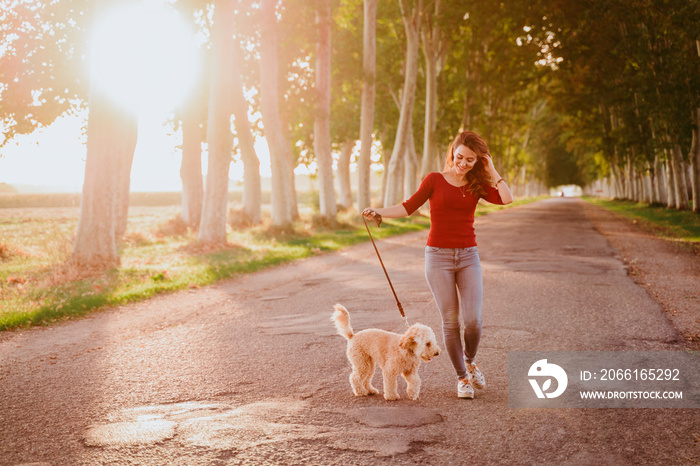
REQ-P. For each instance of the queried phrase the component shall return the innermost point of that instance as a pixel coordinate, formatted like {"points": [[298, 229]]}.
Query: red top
{"points": [[451, 211]]}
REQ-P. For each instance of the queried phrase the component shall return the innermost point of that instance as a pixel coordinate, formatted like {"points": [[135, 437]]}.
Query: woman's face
{"points": [[463, 160]]}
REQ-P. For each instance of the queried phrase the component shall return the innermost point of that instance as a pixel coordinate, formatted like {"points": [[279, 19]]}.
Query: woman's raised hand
{"points": [[489, 162]]}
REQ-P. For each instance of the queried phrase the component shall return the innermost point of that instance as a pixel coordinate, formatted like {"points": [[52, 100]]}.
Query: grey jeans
{"points": [[454, 277]]}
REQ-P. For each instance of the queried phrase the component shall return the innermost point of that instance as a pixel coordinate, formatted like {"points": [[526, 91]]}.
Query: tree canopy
{"points": [[563, 92]]}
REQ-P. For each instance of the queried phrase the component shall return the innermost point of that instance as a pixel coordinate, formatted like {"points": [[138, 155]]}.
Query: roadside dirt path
{"points": [[669, 271], [251, 371]]}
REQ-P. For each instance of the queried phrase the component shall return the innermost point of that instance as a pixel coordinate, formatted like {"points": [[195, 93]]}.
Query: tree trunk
{"points": [[433, 50], [608, 188], [369, 66], [634, 185], [382, 192], [681, 193], [280, 158], [618, 177], [191, 165], [620, 191], [291, 179], [252, 196], [322, 123], [212, 227], [628, 179], [411, 168], [659, 193], [651, 183], [688, 170], [344, 184], [670, 190], [394, 174], [411, 22], [123, 183], [695, 159], [111, 139], [429, 143]]}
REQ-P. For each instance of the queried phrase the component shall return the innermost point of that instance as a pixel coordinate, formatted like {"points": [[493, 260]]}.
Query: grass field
{"points": [[681, 226], [157, 255]]}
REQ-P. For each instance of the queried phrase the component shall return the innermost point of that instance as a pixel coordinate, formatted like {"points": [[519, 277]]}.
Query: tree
{"points": [[212, 228], [192, 116], [246, 142], [280, 151], [632, 73], [111, 140], [322, 127], [344, 182], [412, 23], [434, 49], [346, 91], [368, 95], [695, 158], [42, 63]]}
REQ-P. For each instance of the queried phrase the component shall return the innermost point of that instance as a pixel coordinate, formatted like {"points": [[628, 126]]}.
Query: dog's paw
{"points": [[373, 391], [413, 391], [391, 396]]}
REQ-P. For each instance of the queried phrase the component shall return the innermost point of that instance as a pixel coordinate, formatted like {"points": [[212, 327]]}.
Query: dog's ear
{"points": [[408, 340]]}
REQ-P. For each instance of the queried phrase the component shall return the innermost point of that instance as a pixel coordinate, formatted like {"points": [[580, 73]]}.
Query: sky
{"points": [[148, 59], [54, 158]]}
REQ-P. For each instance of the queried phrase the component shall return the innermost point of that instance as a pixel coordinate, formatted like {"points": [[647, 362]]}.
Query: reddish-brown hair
{"points": [[477, 177]]}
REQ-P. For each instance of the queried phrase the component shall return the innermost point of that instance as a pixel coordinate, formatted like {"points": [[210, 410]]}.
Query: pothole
{"points": [[130, 433], [386, 431], [215, 425]]}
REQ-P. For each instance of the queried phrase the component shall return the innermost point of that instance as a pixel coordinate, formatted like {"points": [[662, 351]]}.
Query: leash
{"points": [[398, 303]]}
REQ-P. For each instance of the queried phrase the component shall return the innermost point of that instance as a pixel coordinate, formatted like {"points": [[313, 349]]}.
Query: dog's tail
{"points": [[341, 319]]}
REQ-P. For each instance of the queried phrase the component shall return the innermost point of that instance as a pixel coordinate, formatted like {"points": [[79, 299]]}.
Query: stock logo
{"points": [[542, 369]]}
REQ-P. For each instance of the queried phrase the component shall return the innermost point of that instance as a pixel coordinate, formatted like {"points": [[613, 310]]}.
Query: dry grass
{"points": [[175, 226], [238, 218], [38, 284], [6, 251], [65, 272]]}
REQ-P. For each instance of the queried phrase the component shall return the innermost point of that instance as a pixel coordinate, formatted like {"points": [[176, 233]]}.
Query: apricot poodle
{"points": [[394, 353]]}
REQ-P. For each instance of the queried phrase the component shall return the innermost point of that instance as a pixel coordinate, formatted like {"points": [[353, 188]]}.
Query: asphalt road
{"points": [[251, 371]]}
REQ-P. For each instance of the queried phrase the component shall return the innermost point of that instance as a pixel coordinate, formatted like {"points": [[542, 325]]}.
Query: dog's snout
{"points": [[432, 351]]}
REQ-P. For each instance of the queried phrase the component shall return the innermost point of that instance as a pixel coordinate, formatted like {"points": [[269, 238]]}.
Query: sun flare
{"points": [[145, 57]]}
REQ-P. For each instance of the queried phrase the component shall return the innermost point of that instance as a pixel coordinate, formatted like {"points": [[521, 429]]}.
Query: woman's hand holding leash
{"points": [[372, 214]]}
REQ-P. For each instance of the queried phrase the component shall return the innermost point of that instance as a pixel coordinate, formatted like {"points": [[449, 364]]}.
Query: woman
{"points": [[452, 265]]}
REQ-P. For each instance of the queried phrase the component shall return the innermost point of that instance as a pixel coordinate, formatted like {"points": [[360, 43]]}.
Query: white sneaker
{"points": [[465, 389], [477, 378]]}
